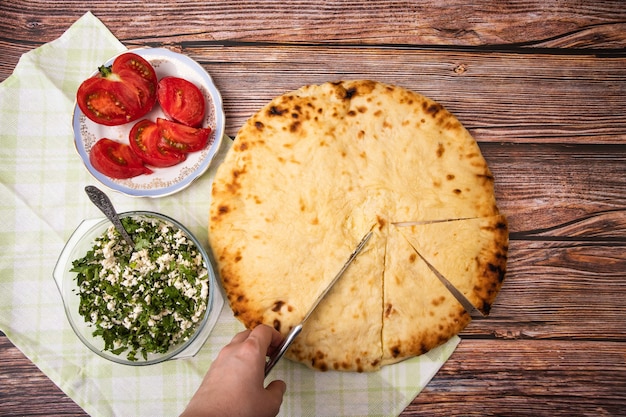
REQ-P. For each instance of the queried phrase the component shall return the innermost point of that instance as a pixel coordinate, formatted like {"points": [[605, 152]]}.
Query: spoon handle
{"points": [[102, 201]]}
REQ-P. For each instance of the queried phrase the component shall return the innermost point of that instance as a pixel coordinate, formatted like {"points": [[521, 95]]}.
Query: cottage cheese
{"points": [[144, 300]]}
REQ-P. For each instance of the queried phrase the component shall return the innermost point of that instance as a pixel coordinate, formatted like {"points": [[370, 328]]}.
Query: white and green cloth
{"points": [[42, 201]]}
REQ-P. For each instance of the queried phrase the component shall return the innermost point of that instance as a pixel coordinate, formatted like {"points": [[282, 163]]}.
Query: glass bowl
{"points": [[81, 241]]}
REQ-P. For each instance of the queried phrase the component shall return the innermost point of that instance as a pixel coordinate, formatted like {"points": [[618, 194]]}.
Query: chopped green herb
{"points": [[147, 299]]}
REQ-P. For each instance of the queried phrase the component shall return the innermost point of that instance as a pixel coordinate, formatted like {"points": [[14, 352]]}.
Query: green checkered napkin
{"points": [[42, 202]]}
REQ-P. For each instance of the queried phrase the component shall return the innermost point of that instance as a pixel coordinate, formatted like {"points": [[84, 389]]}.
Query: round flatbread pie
{"points": [[310, 174]]}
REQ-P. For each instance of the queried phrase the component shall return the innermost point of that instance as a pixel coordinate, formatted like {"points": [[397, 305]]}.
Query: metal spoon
{"points": [[101, 200]]}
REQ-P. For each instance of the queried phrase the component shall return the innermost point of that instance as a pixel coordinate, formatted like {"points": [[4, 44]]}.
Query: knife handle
{"points": [[282, 348]]}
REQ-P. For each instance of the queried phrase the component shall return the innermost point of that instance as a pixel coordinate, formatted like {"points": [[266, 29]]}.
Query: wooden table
{"points": [[542, 87]]}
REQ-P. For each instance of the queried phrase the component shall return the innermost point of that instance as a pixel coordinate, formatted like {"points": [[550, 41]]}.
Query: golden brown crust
{"points": [[470, 253], [306, 177], [419, 312]]}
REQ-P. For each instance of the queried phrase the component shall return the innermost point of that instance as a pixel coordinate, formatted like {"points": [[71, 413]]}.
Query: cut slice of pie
{"points": [[419, 312], [470, 253], [342, 335]]}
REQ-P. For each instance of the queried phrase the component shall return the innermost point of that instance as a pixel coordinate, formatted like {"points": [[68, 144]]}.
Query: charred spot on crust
{"points": [[440, 150], [432, 108], [259, 125], [276, 111], [277, 324], [388, 310], [492, 267], [223, 209], [395, 351], [381, 222], [438, 301], [486, 308], [317, 361], [498, 270], [278, 305], [294, 127], [234, 185], [350, 92]]}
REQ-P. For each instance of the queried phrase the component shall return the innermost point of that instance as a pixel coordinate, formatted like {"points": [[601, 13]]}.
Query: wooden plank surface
{"points": [[500, 97], [542, 87], [506, 381], [552, 24], [544, 23]]}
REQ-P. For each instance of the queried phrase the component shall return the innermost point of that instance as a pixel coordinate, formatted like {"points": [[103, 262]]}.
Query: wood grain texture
{"points": [[430, 22], [575, 192], [576, 379], [26, 391], [567, 25], [500, 97]]}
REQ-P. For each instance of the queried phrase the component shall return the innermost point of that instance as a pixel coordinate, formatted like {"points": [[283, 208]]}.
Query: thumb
{"points": [[274, 396], [276, 390]]}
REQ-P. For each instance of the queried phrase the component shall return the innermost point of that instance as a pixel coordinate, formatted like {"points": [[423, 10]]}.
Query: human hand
{"points": [[233, 386]]}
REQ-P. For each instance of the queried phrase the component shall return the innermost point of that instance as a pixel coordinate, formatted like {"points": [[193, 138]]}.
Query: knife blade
{"points": [[461, 298], [295, 331], [423, 222]]}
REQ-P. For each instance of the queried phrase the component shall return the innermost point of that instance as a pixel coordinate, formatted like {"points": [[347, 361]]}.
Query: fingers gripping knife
{"points": [[297, 329]]}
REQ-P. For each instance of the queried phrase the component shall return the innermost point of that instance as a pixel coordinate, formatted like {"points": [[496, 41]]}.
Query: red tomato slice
{"points": [[137, 65], [116, 160], [181, 100], [121, 93], [179, 137], [146, 141]]}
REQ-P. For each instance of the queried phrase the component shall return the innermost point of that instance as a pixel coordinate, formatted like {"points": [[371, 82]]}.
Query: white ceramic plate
{"points": [[163, 181]]}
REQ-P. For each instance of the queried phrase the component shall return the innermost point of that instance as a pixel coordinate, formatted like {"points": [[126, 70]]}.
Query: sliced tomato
{"points": [[120, 93], [146, 141], [116, 160], [182, 138], [181, 100]]}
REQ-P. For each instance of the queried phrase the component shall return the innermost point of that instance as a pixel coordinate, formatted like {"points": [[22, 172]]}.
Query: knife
{"points": [[461, 298], [291, 336], [422, 222]]}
